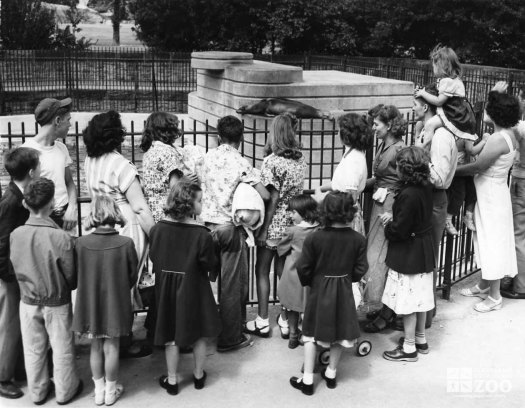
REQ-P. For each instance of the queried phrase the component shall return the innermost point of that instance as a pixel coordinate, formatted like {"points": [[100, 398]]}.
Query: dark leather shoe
{"points": [[297, 383], [510, 294], [330, 382], [399, 355], [172, 389], [199, 382], [9, 390], [506, 284]]}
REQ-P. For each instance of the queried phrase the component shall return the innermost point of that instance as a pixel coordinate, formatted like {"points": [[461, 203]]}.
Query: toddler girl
{"points": [[454, 111], [107, 270], [182, 254], [332, 259], [410, 256], [290, 291]]}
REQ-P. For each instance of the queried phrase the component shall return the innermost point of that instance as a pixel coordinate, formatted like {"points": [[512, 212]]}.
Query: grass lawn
{"points": [[104, 34]]}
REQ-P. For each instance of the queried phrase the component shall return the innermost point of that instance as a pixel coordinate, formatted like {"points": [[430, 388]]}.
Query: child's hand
{"points": [[485, 136], [385, 218], [260, 238], [420, 93]]}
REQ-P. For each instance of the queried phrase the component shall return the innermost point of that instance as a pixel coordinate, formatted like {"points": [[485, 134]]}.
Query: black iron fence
{"points": [[322, 150], [141, 80]]}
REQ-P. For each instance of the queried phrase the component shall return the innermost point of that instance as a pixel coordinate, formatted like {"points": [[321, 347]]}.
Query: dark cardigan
{"points": [[410, 249]]}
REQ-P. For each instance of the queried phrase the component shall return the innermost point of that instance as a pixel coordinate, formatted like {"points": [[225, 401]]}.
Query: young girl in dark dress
{"points": [[332, 259], [410, 256], [107, 270], [182, 253]]}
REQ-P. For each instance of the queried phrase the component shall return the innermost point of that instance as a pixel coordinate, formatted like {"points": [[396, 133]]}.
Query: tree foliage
{"points": [[28, 25]]}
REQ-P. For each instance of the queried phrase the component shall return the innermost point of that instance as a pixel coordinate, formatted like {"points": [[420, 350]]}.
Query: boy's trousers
{"points": [[10, 342], [44, 327]]}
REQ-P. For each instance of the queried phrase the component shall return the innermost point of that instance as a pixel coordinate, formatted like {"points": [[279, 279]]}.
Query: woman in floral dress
{"points": [[282, 173]]}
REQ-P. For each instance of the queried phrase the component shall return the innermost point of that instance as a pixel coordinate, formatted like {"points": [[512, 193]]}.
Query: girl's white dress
{"points": [[494, 236]]}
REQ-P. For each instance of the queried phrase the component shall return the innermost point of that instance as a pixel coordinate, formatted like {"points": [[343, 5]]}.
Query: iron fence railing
{"points": [[141, 80], [322, 150]]}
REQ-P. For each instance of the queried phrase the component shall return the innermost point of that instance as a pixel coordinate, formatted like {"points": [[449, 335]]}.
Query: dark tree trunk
{"points": [[117, 18]]}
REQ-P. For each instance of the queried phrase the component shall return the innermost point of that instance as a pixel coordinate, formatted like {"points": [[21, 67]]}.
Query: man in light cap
{"points": [[54, 118]]}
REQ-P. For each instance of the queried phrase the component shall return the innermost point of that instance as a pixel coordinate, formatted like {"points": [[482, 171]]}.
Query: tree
{"points": [[115, 20]]}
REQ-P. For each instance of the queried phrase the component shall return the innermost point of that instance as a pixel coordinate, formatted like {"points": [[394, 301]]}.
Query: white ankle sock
{"points": [[172, 378], [260, 322], [99, 384], [329, 373], [421, 338], [308, 378], [111, 387], [409, 346], [282, 322]]}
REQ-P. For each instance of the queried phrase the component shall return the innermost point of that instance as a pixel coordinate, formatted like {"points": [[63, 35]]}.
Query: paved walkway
{"points": [[475, 361]]}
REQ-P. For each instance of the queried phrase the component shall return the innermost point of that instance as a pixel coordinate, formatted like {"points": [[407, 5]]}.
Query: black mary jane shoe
{"points": [[297, 383], [199, 382], [330, 382], [172, 389]]}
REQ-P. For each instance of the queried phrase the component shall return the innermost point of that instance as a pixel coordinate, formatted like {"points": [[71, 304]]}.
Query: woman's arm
{"points": [[494, 148], [138, 204], [268, 215], [439, 100]]}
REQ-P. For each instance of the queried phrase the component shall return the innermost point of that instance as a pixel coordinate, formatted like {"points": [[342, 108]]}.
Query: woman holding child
{"points": [[494, 237]]}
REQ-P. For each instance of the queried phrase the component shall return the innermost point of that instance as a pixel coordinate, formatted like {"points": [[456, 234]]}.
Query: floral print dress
{"points": [[287, 177]]}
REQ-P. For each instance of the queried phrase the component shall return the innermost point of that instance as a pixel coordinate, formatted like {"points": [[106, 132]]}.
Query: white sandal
{"points": [[470, 293], [483, 308]]}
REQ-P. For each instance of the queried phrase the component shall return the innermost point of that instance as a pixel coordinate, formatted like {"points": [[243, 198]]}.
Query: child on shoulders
{"points": [[107, 270], [332, 259], [183, 256]]}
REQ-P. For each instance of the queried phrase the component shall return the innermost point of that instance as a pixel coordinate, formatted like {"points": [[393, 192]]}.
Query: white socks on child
{"points": [[100, 390], [111, 387], [409, 346], [421, 338], [172, 378], [329, 373], [308, 378]]}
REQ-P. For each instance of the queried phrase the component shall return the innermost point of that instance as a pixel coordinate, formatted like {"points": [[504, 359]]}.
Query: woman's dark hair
{"points": [[337, 206], [179, 204], [306, 206], [391, 116], [281, 138], [103, 134], [372, 113], [355, 132], [161, 126], [412, 163], [503, 109]]}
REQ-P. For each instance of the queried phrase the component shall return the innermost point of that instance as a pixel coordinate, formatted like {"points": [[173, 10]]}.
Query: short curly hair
{"points": [[503, 109], [103, 134], [39, 193], [306, 206], [160, 126], [413, 165], [337, 206], [355, 132], [391, 116], [180, 202]]}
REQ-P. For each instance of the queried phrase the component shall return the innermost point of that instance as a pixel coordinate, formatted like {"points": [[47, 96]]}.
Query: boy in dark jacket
{"points": [[43, 261], [23, 165]]}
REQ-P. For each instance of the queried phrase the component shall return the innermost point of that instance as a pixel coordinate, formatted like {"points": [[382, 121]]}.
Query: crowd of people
{"points": [[190, 218]]}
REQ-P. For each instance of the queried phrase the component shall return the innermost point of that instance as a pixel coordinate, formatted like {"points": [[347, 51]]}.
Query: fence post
{"points": [[154, 84], [447, 270], [510, 81]]}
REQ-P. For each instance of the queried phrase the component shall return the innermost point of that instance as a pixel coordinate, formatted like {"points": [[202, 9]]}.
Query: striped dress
{"points": [[112, 174]]}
